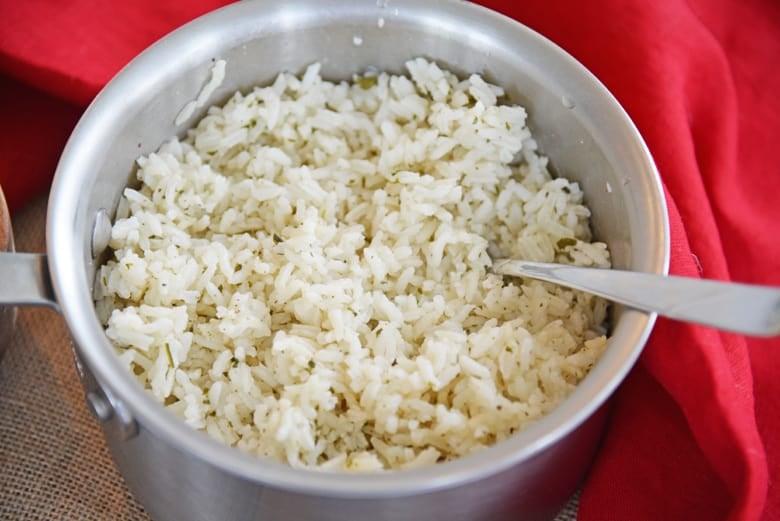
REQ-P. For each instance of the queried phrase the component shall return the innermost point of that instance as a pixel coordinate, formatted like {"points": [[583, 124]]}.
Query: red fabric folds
{"points": [[695, 430]]}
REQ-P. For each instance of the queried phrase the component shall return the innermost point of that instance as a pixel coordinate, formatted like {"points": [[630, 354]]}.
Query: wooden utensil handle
{"points": [[6, 238], [7, 313]]}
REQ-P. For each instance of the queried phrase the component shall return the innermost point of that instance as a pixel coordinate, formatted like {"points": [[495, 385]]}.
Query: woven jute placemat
{"points": [[54, 463]]}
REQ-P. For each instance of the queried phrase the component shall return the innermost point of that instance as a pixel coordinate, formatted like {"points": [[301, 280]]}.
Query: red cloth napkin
{"points": [[695, 431]]}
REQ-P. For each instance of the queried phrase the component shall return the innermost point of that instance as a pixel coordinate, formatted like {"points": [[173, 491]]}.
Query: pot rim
{"points": [[66, 264]]}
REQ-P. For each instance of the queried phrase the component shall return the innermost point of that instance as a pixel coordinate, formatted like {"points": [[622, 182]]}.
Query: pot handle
{"points": [[25, 280], [24, 277]]}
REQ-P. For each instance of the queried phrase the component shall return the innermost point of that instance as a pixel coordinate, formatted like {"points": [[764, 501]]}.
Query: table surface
{"points": [[54, 462]]}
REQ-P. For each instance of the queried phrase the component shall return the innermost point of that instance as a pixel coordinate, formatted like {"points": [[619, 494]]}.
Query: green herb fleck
{"points": [[277, 239], [507, 125], [366, 82], [563, 242], [312, 364], [168, 354]]}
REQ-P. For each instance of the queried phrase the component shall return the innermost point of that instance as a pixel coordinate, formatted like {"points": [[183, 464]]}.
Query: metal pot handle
{"points": [[24, 277], [25, 280]]}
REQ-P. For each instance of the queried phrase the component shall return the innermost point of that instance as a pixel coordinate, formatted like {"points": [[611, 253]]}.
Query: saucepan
{"points": [[178, 473]]}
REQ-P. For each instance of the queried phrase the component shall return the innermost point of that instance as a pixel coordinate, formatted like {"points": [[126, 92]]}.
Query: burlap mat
{"points": [[54, 463]]}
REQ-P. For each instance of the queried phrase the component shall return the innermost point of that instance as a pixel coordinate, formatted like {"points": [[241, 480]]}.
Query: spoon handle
{"points": [[741, 308]]}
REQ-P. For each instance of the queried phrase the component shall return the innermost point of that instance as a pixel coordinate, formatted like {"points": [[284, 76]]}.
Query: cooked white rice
{"points": [[306, 276]]}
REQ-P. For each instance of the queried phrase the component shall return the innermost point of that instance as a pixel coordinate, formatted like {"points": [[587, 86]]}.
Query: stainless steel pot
{"points": [[180, 474]]}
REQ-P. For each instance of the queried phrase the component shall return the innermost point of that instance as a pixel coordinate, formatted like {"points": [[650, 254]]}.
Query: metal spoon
{"points": [[741, 308]]}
